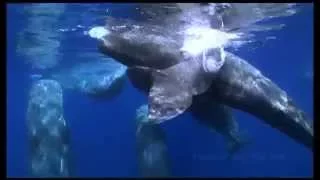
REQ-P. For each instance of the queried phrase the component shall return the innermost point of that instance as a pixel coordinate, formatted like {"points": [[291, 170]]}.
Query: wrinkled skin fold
{"points": [[172, 89]]}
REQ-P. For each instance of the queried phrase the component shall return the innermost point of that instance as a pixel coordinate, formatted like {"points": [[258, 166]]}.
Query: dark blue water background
{"points": [[103, 131]]}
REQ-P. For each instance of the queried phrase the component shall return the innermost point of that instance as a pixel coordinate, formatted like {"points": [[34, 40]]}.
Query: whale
{"points": [[241, 86], [164, 55], [152, 150], [236, 84], [176, 77], [48, 131]]}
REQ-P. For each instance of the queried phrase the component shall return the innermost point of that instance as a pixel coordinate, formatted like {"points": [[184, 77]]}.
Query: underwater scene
{"points": [[123, 90]]}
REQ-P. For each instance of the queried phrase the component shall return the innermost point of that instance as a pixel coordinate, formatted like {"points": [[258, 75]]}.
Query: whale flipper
{"points": [[167, 99], [173, 88]]}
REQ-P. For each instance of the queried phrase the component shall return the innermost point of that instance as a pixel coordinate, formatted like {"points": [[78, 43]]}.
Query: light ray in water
{"points": [[200, 39]]}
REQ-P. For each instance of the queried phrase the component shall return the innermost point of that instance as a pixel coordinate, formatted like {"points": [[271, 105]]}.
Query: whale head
{"points": [[137, 46]]}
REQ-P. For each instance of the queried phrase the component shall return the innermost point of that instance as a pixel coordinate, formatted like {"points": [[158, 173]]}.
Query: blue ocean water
{"points": [[102, 132]]}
